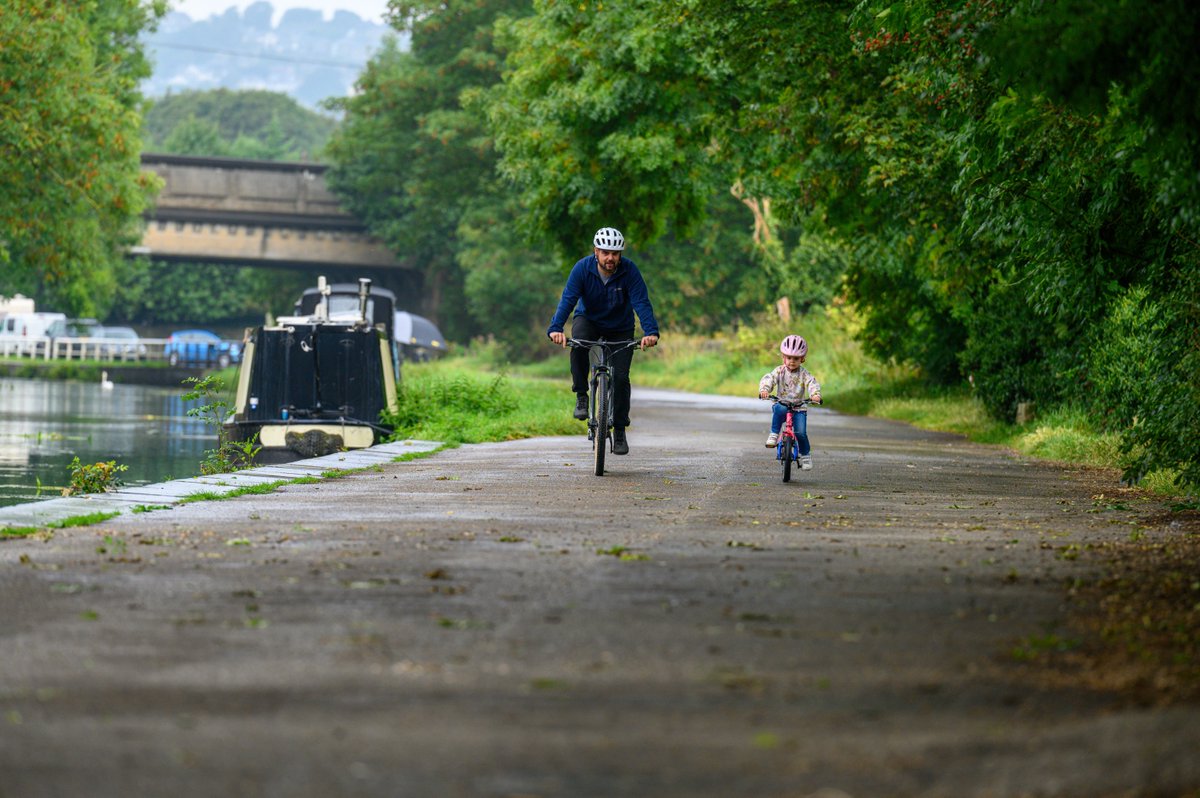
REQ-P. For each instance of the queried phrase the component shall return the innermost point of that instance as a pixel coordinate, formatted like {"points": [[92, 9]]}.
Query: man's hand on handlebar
{"points": [[646, 342]]}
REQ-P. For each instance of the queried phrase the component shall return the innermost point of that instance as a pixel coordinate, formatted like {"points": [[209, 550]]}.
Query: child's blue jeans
{"points": [[799, 426]]}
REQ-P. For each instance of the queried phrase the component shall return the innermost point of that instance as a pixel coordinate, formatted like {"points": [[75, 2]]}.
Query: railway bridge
{"points": [[256, 213]]}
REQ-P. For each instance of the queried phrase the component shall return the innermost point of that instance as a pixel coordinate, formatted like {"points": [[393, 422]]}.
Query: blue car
{"points": [[200, 348]]}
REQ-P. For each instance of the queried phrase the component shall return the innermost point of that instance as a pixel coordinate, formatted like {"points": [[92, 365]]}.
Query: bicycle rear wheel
{"points": [[785, 452], [600, 443]]}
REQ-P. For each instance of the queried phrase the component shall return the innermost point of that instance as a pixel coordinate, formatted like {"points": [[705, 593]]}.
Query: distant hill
{"points": [[305, 56]]}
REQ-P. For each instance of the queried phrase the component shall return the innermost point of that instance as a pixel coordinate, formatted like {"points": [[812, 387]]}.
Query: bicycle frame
{"points": [[600, 403], [787, 448]]}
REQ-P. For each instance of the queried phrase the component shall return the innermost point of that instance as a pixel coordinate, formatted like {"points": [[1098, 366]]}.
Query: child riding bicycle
{"points": [[791, 381]]}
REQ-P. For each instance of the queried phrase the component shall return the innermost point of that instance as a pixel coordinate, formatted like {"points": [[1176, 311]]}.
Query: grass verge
{"points": [[66, 523], [455, 402]]}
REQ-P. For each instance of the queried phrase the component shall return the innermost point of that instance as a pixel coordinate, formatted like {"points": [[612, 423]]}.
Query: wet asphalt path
{"points": [[494, 620]]}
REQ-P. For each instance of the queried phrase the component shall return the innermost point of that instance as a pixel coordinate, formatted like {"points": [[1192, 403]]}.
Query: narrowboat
{"points": [[318, 382]]}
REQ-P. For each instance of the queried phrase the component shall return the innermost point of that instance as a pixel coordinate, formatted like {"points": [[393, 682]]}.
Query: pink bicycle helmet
{"points": [[794, 346]]}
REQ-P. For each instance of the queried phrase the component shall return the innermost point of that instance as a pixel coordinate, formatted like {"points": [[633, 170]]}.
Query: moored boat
{"points": [[317, 383]]}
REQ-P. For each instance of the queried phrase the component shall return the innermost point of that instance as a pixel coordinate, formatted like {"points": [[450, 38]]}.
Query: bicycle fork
{"points": [[593, 422], [788, 432]]}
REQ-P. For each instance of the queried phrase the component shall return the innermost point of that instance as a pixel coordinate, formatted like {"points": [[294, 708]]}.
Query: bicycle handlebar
{"points": [[792, 405], [612, 346]]}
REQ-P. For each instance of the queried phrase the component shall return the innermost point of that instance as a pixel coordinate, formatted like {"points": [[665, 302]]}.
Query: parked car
{"points": [[200, 348], [418, 337], [121, 343], [19, 331], [28, 325], [72, 329]]}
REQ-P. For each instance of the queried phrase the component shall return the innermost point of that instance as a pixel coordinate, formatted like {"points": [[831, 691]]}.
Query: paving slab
{"points": [[277, 472], [55, 510], [173, 491], [240, 479], [162, 492]]}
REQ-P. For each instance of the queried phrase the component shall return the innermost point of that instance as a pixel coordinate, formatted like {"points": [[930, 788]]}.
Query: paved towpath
{"points": [[494, 620]]}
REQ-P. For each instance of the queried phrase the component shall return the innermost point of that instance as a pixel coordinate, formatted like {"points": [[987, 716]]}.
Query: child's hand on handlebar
{"points": [[764, 395], [815, 399]]}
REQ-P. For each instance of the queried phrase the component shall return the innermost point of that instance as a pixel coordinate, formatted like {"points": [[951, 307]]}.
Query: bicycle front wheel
{"points": [[785, 450], [600, 442]]}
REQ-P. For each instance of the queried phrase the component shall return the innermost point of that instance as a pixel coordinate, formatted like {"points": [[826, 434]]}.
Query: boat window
{"points": [[349, 304]]}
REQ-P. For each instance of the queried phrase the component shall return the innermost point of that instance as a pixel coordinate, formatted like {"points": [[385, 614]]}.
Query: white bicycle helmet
{"points": [[609, 238], [794, 346]]}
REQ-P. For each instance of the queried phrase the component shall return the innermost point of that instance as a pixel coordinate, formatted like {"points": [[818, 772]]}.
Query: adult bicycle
{"points": [[601, 393], [787, 447]]}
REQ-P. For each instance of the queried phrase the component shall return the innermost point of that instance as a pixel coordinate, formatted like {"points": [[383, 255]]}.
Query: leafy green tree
{"points": [[713, 277], [413, 162], [251, 123], [70, 145], [510, 288], [1087, 168], [1065, 132], [625, 113], [157, 292], [603, 115], [193, 136]]}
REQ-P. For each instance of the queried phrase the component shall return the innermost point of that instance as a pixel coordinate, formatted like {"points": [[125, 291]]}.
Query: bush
{"points": [[94, 478], [1143, 368], [449, 407], [1014, 356]]}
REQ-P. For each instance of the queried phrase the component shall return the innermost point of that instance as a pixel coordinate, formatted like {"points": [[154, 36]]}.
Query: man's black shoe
{"points": [[581, 406], [620, 445]]}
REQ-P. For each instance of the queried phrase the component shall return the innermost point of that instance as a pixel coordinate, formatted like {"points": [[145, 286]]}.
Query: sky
{"points": [[371, 10]]}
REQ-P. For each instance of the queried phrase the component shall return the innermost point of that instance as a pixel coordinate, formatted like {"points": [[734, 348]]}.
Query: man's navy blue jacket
{"points": [[610, 306]]}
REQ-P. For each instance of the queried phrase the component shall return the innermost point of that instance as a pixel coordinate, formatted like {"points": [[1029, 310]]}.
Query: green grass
{"points": [[249, 490], [454, 402], [731, 363], [66, 523]]}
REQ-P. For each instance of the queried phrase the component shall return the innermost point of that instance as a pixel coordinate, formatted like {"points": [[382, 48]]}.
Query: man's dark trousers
{"points": [[584, 329]]}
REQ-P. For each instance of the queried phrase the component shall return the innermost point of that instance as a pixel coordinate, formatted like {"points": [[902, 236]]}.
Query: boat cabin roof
{"points": [[343, 304]]}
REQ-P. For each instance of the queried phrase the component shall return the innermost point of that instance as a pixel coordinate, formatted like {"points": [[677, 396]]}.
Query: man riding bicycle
{"points": [[605, 289]]}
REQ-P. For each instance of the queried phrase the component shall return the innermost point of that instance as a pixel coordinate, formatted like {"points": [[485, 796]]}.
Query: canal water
{"points": [[45, 424]]}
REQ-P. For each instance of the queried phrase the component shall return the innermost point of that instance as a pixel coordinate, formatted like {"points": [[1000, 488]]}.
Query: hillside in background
{"points": [[304, 56]]}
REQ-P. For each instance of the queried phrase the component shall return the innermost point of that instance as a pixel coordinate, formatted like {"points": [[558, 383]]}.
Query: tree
{"points": [[604, 115], [194, 137], [206, 293], [1068, 134], [654, 114], [412, 161], [250, 123], [69, 146]]}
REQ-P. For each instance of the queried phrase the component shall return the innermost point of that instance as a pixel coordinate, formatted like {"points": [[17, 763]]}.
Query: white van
{"points": [[22, 333]]}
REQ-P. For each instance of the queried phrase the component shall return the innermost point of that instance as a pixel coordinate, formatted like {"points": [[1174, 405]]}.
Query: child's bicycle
{"points": [[787, 448], [602, 394]]}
